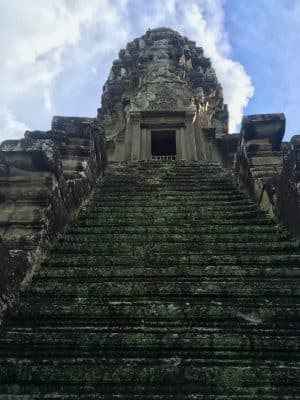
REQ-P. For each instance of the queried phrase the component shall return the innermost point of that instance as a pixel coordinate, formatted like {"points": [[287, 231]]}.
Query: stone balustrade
{"points": [[44, 178], [267, 168]]}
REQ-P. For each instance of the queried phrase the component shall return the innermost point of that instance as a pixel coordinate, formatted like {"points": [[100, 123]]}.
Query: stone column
{"points": [[143, 155], [128, 140], [178, 144], [190, 136], [148, 144], [183, 144], [136, 135]]}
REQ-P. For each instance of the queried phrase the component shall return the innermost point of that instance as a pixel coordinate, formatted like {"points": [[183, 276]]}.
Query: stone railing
{"points": [[289, 186], [163, 158], [44, 178], [267, 169]]}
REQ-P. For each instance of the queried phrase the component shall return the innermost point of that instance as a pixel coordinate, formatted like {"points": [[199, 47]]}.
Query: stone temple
{"points": [[155, 90], [148, 253]]}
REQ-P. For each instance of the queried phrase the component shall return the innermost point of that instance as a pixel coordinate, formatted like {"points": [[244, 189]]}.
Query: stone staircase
{"points": [[169, 284]]}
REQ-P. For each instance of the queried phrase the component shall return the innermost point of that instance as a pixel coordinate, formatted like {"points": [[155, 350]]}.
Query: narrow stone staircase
{"points": [[170, 284]]}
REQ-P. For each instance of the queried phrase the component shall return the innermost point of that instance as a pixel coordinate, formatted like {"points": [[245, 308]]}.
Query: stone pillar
{"points": [[135, 119], [128, 140], [190, 136], [143, 155], [183, 144], [148, 144], [178, 144]]}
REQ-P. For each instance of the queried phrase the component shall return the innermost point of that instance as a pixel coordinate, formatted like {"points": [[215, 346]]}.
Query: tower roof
{"points": [[161, 71]]}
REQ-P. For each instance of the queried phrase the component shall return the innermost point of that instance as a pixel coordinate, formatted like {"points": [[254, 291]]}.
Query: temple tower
{"points": [[157, 279], [157, 90]]}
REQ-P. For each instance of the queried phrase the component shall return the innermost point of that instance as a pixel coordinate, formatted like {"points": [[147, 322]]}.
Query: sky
{"points": [[56, 54]]}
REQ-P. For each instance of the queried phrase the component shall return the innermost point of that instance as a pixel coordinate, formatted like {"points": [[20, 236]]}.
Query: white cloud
{"points": [[51, 50], [9, 126], [35, 37]]}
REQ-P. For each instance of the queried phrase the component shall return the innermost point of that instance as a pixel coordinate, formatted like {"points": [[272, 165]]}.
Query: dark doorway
{"points": [[163, 143]]}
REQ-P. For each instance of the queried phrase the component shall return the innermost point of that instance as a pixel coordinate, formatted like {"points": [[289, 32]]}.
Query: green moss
{"points": [[169, 281]]}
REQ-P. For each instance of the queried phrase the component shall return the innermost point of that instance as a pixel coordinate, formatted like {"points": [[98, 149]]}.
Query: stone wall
{"points": [[268, 170], [44, 178], [288, 200], [264, 167]]}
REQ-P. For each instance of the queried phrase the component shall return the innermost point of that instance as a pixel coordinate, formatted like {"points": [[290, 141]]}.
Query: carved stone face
{"points": [[160, 50]]}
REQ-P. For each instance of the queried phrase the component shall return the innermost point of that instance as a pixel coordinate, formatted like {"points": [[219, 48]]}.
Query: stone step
{"points": [[149, 167], [167, 195], [168, 284], [168, 240], [217, 376], [180, 215], [161, 224], [184, 181], [153, 175], [244, 329], [173, 248], [179, 393], [159, 208], [249, 272], [221, 356], [212, 189], [80, 322], [189, 260], [150, 288], [169, 310], [49, 341], [138, 238], [167, 202], [265, 227], [192, 241], [167, 220]]}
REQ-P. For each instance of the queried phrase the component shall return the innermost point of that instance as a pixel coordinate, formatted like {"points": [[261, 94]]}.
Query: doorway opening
{"points": [[163, 145]]}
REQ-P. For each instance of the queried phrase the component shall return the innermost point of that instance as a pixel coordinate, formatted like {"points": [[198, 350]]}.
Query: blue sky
{"points": [[56, 54]]}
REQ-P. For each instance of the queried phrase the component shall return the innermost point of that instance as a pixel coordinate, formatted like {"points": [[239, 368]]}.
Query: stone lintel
{"points": [[157, 120], [166, 124], [269, 127], [162, 114]]}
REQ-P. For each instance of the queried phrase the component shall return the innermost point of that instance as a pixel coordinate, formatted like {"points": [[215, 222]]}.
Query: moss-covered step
{"points": [[119, 272], [169, 284], [133, 288]]}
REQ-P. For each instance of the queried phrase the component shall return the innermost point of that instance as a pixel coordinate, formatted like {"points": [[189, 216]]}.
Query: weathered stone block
{"points": [[264, 126]]}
